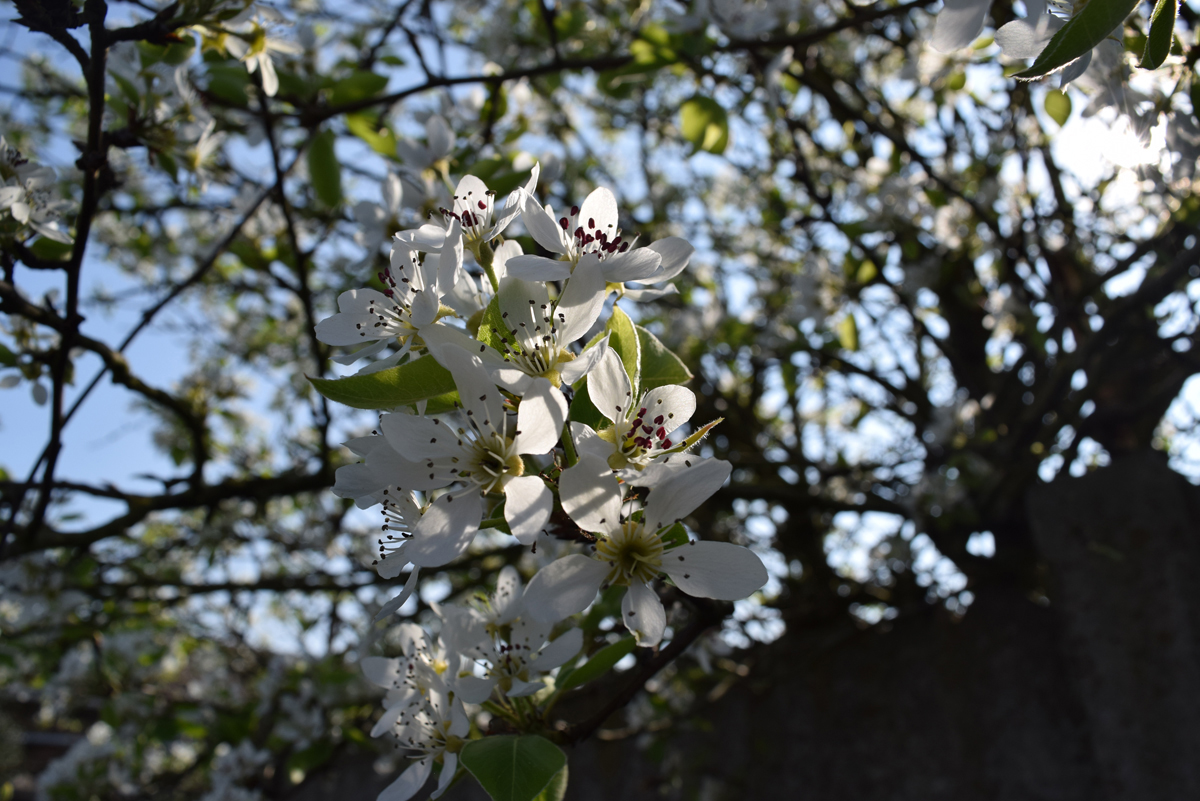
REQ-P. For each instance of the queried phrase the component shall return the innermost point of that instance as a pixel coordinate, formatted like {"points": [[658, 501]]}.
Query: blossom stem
{"points": [[569, 453], [484, 257]]}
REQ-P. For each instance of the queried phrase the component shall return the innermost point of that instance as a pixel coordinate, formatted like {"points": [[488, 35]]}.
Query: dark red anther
{"points": [[661, 433], [658, 421], [624, 247], [482, 206], [666, 443], [574, 210], [563, 222]]}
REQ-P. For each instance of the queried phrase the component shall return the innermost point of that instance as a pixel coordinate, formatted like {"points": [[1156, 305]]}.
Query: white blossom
{"points": [[631, 552]]}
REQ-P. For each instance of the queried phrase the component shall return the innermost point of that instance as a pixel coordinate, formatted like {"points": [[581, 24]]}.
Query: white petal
{"points": [[598, 214], [478, 394], [564, 587], [521, 689], [440, 137], [644, 614], [541, 225], [538, 268], [472, 689], [718, 570], [958, 23], [680, 494], [388, 719], [582, 365], [269, 78], [459, 725], [580, 304], [609, 388], [632, 265], [527, 507], [675, 252], [668, 407], [1023, 39], [358, 481], [348, 329], [419, 438], [558, 652], [409, 783], [591, 495], [507, 251], [438, 337], [393, 193], [361, 353], [450, 261], [647, 295], [399, 601], [506, 600], [382, 672], [445, 530], [588, 442], [449, 767], [540, 418], [522, 305]]}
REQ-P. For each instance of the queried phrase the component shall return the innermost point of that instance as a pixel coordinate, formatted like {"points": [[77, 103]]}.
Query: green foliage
{"points": [[705, 124], [366, 126], [1084, 31], [1162, 33], [1058, 106], [597, 665], [624, 339], [659, 365], [403, 385], [324, 170], [358, 86], [512, 767]]}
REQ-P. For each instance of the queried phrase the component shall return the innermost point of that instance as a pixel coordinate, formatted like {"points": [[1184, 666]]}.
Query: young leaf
{"points": [[324, 170], [417, 380], [492, 328], [557, 788], [357, 86], [597, 665], [705, 124], [513, 767], [1162, 31], [1058, 106], [847, 332], [584, 411], [368, 128], [1086, 29], [625, 341], [660, 366]]}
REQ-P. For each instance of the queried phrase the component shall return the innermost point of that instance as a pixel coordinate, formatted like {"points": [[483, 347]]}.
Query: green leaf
{"points": [[584, 411], [7, 357], [324, 170], [660, 366], [417, 380], [1086, 29], [51, 249], [358, 86], [367, 128], [847, 332], [1058, 106], [492, 328], [597, 665], [512, 767], [1162, 32], [557, 788], [705, 124], [623, 338], [228, 82]]}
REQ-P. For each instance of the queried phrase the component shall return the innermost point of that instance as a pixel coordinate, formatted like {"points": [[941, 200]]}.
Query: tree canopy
{"points": [[923, 282]]}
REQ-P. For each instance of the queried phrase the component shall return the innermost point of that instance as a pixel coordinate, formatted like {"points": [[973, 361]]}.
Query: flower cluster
{"points": [[27, 194], [509, 404]]}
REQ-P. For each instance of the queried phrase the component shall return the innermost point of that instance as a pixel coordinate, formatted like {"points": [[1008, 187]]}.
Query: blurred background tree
{"points": [[945, 316]]}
